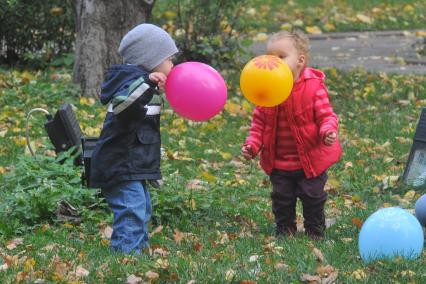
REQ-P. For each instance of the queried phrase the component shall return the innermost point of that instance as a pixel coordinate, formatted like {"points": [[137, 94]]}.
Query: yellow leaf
{"points": [[409, 195], [298, 23], [26, 77], [226, 155], [229, 275], [420, 33], [192, 204], [91, 131], [87, 101], [251, 11], [162, 263], [20, 141], [208, 177], [359, 274], [313, 30], [334, 183], [261, 37], [286, 26], [363, 18], [329, 26], [356, 198], [56, 11], [408, 8], [170, 14], [29, 264]]}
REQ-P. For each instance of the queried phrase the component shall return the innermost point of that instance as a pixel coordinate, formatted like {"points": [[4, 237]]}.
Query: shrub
{"points": [[206, 31], [35, 31], [31, 193]]}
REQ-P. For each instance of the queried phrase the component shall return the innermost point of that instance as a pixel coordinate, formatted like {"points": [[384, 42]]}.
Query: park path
{"points": [[384, 51]]}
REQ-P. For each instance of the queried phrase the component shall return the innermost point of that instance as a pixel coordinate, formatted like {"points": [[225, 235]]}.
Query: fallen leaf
{"points": [[151, 275], [81, 271], [359, 274], [253, 258], [229, 275], [363, 18], [409, 195], [247, 282], [4, 267], [313, 30], [160, 252], [133, 279], [261, 37], [310, 278], [14, 243], [195, 184], [197, 246], [162, 263], [324, 271], [318, 254], [178, 236], [156, 231], [281, 265], [357, 222], [106, 232], [331, 278]]}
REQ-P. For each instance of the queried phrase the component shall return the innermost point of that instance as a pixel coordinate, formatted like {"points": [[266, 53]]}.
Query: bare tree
{"points": [[100, 25]]}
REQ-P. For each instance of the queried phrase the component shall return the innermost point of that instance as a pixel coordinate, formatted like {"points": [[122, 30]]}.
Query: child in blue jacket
{"points": [[127, 154]]}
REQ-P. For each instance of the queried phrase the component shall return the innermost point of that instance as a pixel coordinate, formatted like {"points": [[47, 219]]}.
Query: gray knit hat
{"points": [[147, 45]]}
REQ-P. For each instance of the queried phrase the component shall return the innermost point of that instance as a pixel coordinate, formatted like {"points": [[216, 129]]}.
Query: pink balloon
{"points": [[195, 91]]}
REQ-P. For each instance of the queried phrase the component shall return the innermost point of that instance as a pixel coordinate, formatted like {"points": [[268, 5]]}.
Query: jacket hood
{"points": [[311, 73], [118, 77]]}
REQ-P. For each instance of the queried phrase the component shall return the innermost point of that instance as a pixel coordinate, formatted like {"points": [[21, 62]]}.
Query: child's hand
{"points": [[247, 152], [158, 78], [330, 138]]}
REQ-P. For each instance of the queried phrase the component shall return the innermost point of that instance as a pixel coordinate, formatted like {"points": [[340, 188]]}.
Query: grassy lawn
{"points": [[212, 218], [213, 214], [321, 16]]}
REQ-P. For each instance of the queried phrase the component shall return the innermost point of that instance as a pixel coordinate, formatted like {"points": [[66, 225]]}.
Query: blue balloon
{"points": [[390, 232], [421, 209]]}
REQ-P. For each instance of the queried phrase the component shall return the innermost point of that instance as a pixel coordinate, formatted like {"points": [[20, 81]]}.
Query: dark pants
{"points": [[287, 186]]}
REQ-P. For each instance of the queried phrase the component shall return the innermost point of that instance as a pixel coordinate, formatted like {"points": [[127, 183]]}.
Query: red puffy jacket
{"points": [[310, 117]]}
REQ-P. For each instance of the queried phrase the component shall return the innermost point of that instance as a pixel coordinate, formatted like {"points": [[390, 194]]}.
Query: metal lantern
{"points": [[415, 170]]}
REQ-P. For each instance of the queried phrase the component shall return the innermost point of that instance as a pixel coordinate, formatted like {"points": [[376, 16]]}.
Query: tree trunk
{"points": [[100, 25]]}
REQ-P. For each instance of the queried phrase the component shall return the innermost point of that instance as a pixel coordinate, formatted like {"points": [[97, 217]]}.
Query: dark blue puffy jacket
{"points": [[129, 145]]}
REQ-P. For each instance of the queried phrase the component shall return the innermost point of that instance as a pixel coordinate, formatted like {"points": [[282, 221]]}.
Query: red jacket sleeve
{"points": [[256, 131], [325, 118]]}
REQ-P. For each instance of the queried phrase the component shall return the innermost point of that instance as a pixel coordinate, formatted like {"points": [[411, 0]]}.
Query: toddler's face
{"points": [[286, 50], [165, 67]]}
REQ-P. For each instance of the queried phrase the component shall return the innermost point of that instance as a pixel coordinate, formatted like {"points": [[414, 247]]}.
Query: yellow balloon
{"points": [[266, 80]]}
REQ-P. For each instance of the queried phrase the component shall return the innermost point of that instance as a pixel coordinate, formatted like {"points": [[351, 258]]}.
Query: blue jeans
{"points": [[131, 204]]}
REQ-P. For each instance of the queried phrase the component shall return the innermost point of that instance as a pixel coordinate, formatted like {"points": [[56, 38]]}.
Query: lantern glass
{"points": [[416, 171]]}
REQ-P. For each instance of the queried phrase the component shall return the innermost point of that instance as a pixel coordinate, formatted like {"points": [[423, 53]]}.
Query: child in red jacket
{"points": [[297, 140]]}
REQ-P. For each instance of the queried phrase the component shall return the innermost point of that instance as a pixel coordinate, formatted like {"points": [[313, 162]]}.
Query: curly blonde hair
{"points": [[301, 41]]}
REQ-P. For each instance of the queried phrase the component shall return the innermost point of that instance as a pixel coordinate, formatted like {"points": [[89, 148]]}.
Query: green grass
{"points": [[225, 220], [328, 16], [229, 215]]}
